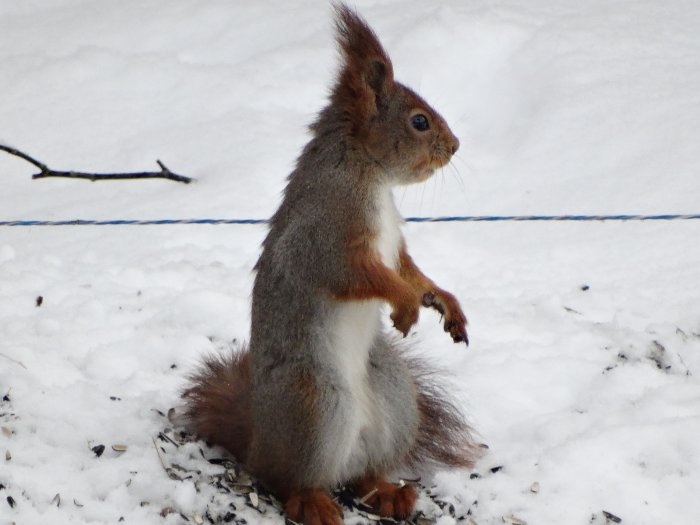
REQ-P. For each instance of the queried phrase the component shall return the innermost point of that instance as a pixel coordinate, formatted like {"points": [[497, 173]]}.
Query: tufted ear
{"points": [[366, 74]]}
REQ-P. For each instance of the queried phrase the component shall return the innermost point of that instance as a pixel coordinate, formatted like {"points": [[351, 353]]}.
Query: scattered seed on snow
{"points": [[8, 456], [77, 503], [609, 516], [57, 500], [513, 520], [98, 450], [173, 475], [535, 487], [11, 501], [254, 501], [119, 448], [198, 519]]}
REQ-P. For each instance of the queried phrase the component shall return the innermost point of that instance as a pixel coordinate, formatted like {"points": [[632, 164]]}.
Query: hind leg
{"points": [[387, 499], [313, 507]]}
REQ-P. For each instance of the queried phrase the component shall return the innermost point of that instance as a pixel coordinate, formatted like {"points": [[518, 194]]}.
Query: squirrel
{"points": [[322, 396]]}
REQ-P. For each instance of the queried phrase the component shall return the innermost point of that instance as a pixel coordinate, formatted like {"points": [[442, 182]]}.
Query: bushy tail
{"points": [[444, 437], [218, 402]]}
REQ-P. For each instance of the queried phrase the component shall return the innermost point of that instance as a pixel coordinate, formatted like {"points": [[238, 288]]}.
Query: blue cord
{"points": [[467, 218]]}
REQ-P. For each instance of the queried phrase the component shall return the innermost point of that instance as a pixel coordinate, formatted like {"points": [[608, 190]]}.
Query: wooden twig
{"points": [[45, 172]]}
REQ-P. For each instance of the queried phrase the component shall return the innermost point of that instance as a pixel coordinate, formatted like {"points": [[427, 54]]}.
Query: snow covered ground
{"points": [[582, 374]]}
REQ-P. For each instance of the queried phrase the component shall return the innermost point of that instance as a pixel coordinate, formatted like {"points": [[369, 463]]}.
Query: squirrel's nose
{"points": [[455, 144]]}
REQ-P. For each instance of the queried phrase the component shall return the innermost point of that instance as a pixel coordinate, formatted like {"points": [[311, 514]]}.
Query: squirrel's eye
{"points": [[420, 122]]}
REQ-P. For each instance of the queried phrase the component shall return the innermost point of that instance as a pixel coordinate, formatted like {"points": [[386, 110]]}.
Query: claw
{"points": [[461, 338]]}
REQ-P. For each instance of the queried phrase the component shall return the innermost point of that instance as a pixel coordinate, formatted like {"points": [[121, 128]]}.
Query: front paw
{"points": [[404, 316], [455, 321]]}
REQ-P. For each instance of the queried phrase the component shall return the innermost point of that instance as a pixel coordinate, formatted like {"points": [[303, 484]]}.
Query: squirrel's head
{"points": [[387, 121]]}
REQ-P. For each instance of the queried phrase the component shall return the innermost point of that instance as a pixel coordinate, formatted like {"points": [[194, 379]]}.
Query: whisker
{"points": [[458, 178], [457, 157]]}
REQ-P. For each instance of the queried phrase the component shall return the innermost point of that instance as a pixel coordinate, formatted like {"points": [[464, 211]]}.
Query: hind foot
{"points": [[387, 499], [313, 507]]}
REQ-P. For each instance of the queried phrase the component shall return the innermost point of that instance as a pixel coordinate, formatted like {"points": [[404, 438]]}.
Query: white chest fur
{"points": [[355, 326], [388, 226]]}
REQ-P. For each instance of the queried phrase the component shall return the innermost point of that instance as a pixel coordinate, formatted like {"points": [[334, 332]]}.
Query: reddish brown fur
{"points": [[365, 63], [434, 296], [313, 507], [443, 435], [387, 499], [218, 402], [372, 279]]}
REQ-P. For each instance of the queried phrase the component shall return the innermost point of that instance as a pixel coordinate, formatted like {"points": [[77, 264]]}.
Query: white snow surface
{"points": [[582, 373]]}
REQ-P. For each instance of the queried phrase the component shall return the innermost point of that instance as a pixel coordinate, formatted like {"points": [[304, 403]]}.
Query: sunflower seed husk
{"points": [[198, 519], [254, 501], [364, 499], [172, 475], [609, 516], [119, 448], [57, 500], [77, 503], [513, 520]]}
